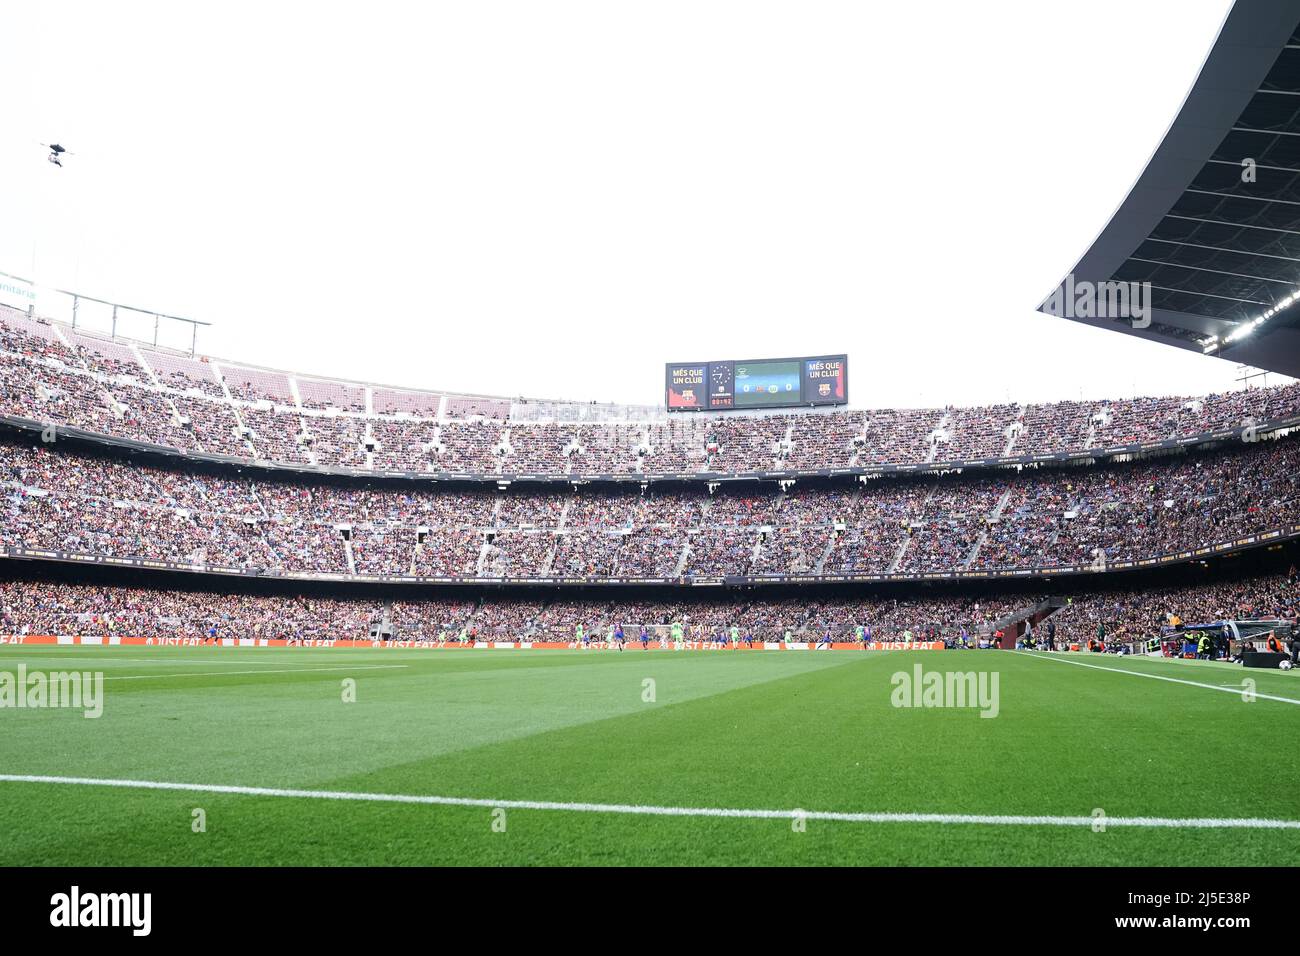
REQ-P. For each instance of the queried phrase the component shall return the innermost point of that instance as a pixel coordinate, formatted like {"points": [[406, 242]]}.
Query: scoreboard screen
{"points": [[825, 380], [767, 384], [760, 383], [686, 388]]}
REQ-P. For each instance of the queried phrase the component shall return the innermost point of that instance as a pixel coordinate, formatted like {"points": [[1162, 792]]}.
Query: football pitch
{"points": [[260, 756]]}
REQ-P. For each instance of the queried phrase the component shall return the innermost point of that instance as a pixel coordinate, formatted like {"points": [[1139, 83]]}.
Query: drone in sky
{"points": [[57, 153]]}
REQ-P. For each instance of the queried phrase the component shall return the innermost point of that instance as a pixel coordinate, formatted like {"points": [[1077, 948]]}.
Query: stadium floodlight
{"points": [[1239, 333]]}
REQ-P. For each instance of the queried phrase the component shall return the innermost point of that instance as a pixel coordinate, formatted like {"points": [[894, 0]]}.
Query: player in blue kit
{"points": [[645, 638], [618, 636]]}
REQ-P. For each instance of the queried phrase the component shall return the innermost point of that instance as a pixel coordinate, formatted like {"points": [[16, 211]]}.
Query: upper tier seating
{"points": [[67, 377]]}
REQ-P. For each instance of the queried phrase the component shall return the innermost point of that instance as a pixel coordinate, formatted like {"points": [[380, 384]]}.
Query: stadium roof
{"points": [[1213, 222]]}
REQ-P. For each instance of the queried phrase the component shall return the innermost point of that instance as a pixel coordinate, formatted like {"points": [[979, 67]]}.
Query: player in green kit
{"points": [[735, 637], [677, 632], [577, 635]]}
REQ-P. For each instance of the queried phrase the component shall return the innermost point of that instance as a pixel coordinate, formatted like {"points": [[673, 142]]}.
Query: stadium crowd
{"points": [[56, 375], [1122, 616], [55, 499], [40, 607]]}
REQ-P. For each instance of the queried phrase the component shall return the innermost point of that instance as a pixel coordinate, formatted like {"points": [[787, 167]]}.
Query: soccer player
{"points": [[677, 632], [826, 637], [735, 637], [645, 638], [618, 636], [579, 638]]}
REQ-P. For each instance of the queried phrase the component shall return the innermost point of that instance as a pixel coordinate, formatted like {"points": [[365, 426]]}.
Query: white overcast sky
{"points": [[554, 198]]}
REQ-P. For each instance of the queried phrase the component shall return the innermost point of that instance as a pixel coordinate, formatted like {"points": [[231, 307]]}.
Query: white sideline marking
{"points": [[1173, 680], [1196, 823], [290, 670]]}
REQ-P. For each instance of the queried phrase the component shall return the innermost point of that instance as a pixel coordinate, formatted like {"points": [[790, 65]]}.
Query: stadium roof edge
{"points": [[1248, 46]]}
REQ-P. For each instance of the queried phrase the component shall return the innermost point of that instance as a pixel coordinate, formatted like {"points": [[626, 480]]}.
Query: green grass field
{"points": [[746, 730]]}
